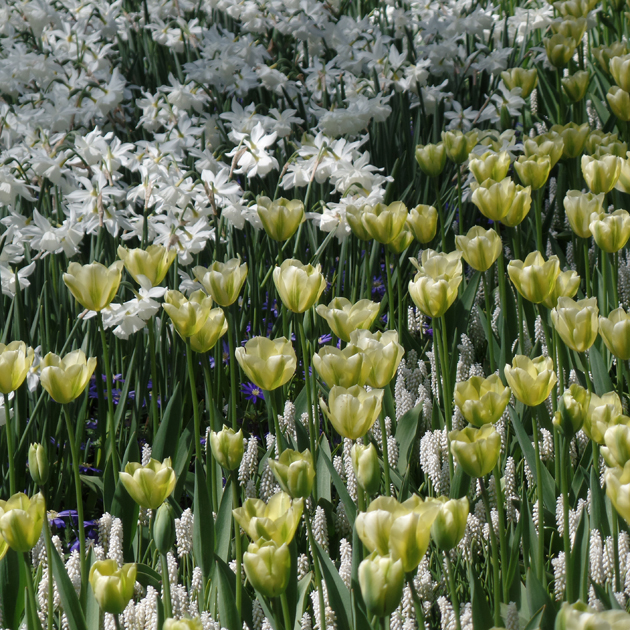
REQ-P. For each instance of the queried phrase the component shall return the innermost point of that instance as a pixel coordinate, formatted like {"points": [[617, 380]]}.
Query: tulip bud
{"points": [[268, 363], [38, 464], [550, 144], [223, 281], [227, 447], [534, 278], [618, 489], [533, 171], [617, 449], [298, 285], [431, 158], [207, 336], [268, 567], [575, 85], [531, 381], [573, 407], [280, 218], [277, 520], [459, 145], [522, 78], [604, 54], [354, 217], [352, 411], [615, 148], [601, 175], [152, 262], [422, 221], [164, 528], [579, 207], [567, 285], [434, 287], [615, 331], [381, 580], [623, 183], [494, 199], [188, 315], [21, 520], [343, 317], [482, 400], [150, 485], [520, 207], [573, 27], [366, 468], [611, 231], [15, 361], [450, 522], [295, 473], [603, 412], [619, 101], [620, 69], [402, 241], [490, 165], [384, 223], [559, 49], [480, 248], [113, 587], [476, 450], [345, 367], [94, 286], [573, 138], [576, 322], [65, 378], [383, 353], [182, 624]]}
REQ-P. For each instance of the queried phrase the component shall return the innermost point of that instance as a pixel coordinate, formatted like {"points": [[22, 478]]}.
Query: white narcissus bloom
{"points": [[251, 156]]}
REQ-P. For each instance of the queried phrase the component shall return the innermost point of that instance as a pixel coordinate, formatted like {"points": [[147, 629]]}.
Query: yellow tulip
{"points": [[149, 485], [573, 137], [207, 336], [550, 144], [476, 450], [610, 231], [268, 567], [384, 223], [227, 447], [21, 520], [603, 412], [520, 207], [618, 489], [522, 78], [602, 174], [617, 449], [422, 221], [431, 158], [459, 145], [94, 286], [223, 281], [381, 579], [575, 85], [402, 241], [490, 165], [188, 315], [382, 352], [620, 69], [345, 367], [534, 171], [434, 287], [576, 322], [573, 407], [38, 464], [298, 285], [482, 400], [615, 331], [366, 467], [112, 586], [295, 473], [276, 520], [152, 262], [559, 49], [578, 207], [494, 199], [604, 54], [182, 624], [570, 26], [534, 278], [66, 378], [480, 248], [623, 183], [449, 525], [352, 411], [267, 363], [567, 285], [354, 218], [344, 317], [619, 101], [280, 218], [16, 359], [531, 381]]}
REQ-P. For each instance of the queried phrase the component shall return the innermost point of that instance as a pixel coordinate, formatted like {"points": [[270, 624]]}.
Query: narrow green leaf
{"points": [[224, 523], [482, 617], [338, 593], [203, 529], [601, 380], [67, 594], [165, 443], [324, 480], [303, 589], [340, 486], [406, 431]]}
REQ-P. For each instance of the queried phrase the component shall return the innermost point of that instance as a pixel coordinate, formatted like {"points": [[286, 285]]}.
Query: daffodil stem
{"points": [[236, 499], [318, 575], [502, 540], [381, 421], [233, 365], [195, 401], [79, 493], [10, 445], [495, 554], [113, 451], [390, 291], [307, 385], [285, 611], [539, 492], [166, 587], [451, 587], [154, 379], [489, 333], [566, 534]]}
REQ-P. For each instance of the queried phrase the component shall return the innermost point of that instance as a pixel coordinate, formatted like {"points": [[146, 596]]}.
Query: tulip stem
{"points": [[381, 422], [239, 549], [390, 292], [539, 492], [78, 492], [166, 587], [615, 535], [51, 582], [447, 392], [154, 379], [417, 604], [587, 273], [307, 385], [495, 554], [30, 588], [565, 515], [438, 194], [451, 587], [318, 574], [10, 445], [459, 199], [285, 611], [233, 364], [113, 452], [489, 332], [538, 218], [502, 539], [117, 622], [195, 402]]}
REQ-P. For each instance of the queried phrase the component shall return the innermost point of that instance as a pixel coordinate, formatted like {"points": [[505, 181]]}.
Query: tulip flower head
{"points": [[490, 165], [227, 447], [494, 199], [382, 353], [381, 579], [344, 317], [576, 322], [223, 281], [618, 489], [298, 285], [522, 78], [579, 207], [295, 473], [520, 207], [573, 406], [482, 400], [268, 363], [112, 586], [615, 331], [153, 262], [603, 412], [213, 329], [21, 521], [15, 361], [188, 315], [431, 158], [533, 171], [268, 567], [94, 286], [450, 522], [567, 285], [531, 381], [384, 223], [601, 174], [534, 278], [345, 368], [366, 467], [476, 450], [149, 485], [280, 218], [617, 449], [480, 248], [352, 411], [610, 231], [422, 221], [458, 145], [66, 378]]}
